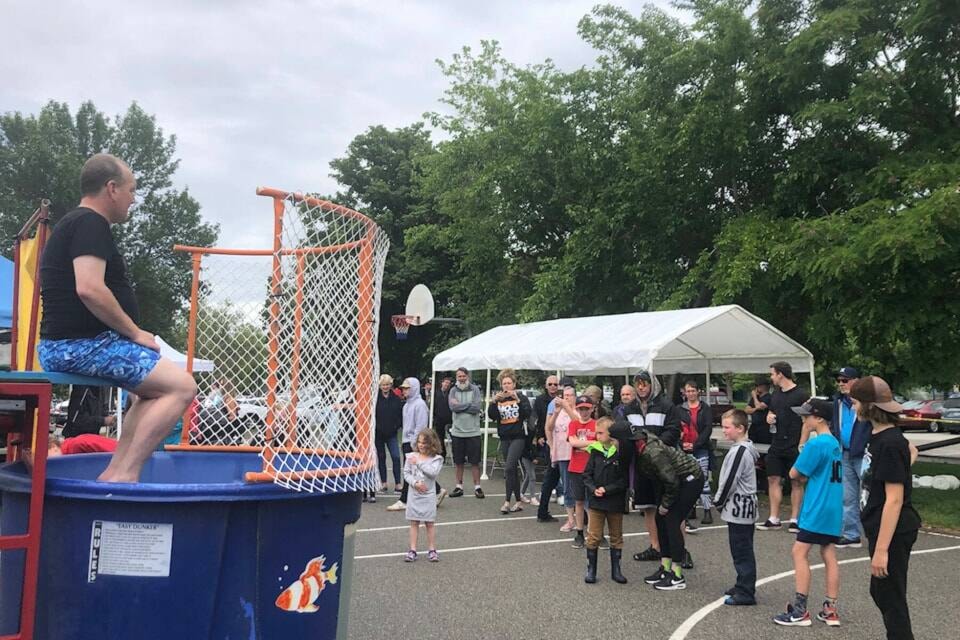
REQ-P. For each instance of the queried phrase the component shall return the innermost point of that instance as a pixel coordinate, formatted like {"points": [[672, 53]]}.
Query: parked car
{"points": [[951, 415], [921, 414], [720, 403]]}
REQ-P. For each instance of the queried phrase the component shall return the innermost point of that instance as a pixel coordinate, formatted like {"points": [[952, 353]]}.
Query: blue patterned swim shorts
{"points": [[109, 356]]}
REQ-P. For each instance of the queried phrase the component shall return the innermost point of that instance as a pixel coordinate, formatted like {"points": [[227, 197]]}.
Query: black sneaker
{"points": [[792, 526], [578, 541], [547, 518], [604, 543], [770, 525], [687, 560], [731, 591], [707, 517], [849, 543], [479, 493], [691, 526], [647, 555], [656, 576], [671, 582], [457, 492]]}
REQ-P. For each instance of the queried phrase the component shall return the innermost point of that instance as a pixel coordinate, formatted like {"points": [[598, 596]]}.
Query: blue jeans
{"points": [[390, 443], [744, 561], [568, 500], [851, 496]]}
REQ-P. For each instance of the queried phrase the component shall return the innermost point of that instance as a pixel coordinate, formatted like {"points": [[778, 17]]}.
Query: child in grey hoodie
{"points": [[416, 418], [737, 502]]}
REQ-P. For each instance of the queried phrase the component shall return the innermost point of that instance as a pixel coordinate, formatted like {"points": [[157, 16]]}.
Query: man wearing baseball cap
{"points": [[853, 435]]}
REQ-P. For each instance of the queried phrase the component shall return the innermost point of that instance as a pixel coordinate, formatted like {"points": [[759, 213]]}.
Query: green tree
{"points": [[41, 156]]}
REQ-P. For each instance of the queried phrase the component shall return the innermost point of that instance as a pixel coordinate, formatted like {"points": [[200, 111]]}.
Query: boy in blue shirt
{"points": [[820, 465]]}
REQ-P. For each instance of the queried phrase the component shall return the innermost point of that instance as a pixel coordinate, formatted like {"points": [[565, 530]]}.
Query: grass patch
{"points": [[938, 509]]}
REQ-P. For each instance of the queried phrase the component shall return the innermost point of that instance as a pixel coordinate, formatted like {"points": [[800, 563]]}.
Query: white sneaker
{"points": [[559, 499], [440, 496], [535, 501], [397, 506]]}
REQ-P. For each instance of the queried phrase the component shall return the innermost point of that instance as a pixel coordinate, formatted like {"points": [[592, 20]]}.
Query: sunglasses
{"points": [[553, 384], [843, 380]]}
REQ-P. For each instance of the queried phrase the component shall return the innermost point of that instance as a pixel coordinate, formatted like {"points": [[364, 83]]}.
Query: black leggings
{"points": [[511, 450], [668, 526], [890, 593]]}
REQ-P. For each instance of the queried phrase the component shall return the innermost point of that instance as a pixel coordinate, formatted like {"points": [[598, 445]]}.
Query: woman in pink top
{"points": [[558, 423]]}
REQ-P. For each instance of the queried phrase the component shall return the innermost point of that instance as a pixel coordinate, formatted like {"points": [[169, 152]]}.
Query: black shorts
{"points": [[780, 462], [645, 494], [577, 489], [811, 537], [466, 449]]}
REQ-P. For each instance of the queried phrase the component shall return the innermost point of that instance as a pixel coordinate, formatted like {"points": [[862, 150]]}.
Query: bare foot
{"points": [[116, 477]]}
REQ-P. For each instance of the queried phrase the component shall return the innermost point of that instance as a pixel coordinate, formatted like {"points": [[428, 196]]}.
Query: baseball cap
{"points": [[405, 385], [876, 391], [584, 401], [642, 375], [847, 372], [815, 407]]}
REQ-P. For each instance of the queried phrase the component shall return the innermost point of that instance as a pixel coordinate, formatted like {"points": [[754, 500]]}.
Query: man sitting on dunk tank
{"points": [[90, 320]]}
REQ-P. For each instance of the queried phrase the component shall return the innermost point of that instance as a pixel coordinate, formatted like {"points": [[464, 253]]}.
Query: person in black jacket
{"points": [[651, 410], [510, 412], [605, 480], [389, 419], [696, 418], [442, 416], [88, 410]]}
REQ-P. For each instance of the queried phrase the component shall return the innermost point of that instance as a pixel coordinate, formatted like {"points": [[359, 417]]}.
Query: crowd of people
{"points": [[847, 466]]}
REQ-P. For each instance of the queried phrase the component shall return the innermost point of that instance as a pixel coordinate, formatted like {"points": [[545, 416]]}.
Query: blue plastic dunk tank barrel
{"points": [[191, 552]]}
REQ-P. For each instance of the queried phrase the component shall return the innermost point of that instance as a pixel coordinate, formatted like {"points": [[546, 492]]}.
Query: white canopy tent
{"points": [[710, 339]]}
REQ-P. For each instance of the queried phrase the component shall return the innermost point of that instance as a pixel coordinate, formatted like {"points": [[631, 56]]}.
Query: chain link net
{"points": [[292, 338]]}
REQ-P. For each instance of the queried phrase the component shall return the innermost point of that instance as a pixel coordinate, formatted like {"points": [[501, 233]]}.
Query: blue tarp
{"points": [[6, 293]]}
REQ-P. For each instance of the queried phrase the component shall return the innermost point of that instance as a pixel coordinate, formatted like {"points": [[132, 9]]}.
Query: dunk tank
{"points": [[243, 527]]}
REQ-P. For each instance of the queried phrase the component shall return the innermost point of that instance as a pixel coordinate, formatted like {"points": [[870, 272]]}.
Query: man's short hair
{"points": [[465, 371], [783, 368], [691, 383], [737, 416], [97, 171]]}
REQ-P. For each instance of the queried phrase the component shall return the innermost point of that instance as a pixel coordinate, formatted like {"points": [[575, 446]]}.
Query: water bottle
{"points": [[773, 425]]}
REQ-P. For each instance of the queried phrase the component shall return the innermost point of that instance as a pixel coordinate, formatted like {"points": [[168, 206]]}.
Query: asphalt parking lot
{"points": [[512, 577]]}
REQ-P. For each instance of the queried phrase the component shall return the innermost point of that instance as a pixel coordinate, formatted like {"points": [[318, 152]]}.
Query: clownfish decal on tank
{"points": [[302, 595]]}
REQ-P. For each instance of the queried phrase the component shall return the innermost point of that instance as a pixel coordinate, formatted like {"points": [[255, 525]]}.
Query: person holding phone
{"points": [[510, 412]]}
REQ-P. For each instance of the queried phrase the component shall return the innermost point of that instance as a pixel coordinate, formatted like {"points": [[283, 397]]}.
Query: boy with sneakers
{"points": [[678, 480], [820, 464], [605, 479], [580, 434], [737, 503]]}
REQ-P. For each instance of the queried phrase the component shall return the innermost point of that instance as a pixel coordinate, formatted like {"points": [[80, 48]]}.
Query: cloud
{"points": [[265, 93]]}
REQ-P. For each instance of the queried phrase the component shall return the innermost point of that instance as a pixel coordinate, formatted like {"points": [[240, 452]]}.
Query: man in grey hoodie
{"points": [[415, 419], [466, 403], [737, 503]]}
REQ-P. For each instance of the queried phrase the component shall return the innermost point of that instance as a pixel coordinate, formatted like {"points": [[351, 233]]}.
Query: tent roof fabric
{"points": [[681, 341]]}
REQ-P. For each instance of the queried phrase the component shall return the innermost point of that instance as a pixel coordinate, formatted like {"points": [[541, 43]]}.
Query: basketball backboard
{"points": [[420, 305]]}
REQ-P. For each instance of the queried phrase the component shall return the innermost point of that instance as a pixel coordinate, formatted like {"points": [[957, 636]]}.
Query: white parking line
{"points": [[507, 544], [684, 629], [449, 524]]}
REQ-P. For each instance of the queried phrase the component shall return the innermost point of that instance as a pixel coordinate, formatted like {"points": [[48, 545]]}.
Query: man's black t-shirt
{"points": [[82, 232], [887, 459], [789, 424], [759, 429]]}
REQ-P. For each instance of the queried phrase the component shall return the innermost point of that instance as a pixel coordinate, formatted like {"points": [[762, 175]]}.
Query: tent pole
{"points": [[813, 381], [433, 382], [119, 412], [486, 421], [708, 380]]}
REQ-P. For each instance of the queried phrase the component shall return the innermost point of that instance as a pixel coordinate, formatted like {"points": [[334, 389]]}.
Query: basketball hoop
{"points": [[401, 324]]}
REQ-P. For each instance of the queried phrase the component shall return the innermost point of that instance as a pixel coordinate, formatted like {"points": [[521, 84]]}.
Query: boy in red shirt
{"points": [[581, 433]]}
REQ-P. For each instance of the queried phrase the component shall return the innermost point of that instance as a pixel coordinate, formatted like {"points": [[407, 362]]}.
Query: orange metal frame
{"points": [[365, 320]]}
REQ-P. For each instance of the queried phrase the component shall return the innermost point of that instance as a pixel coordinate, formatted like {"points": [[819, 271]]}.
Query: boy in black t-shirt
{"points": [[889, 519]]}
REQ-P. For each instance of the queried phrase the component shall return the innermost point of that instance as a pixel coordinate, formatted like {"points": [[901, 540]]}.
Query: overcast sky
{"points": [[265, 93]]}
